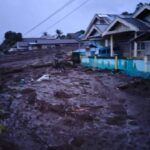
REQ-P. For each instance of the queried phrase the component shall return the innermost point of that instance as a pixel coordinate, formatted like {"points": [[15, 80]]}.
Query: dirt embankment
{"points": [[73, 109]]}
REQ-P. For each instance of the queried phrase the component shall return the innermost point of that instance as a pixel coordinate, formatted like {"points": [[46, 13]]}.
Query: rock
{"points": [[133, 123], [116, 120], [60, 147], [37, 65], [7, 145], [77, 141], [85, 117], [62, 94], [123, 87], [118, 109], [6, 71], [29, 95], [4, 114]]}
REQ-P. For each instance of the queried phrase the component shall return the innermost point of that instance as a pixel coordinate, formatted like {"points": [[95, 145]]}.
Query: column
{"points": [[135, 45], [145, 63], [106, 42], [116, 62], [111, 46]]}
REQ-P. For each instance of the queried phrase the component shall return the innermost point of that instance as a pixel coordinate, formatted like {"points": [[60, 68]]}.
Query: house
{"points": [[42, 43], [57, 43], [94, 32], [19, 46], [110, 35], [122, 32]]}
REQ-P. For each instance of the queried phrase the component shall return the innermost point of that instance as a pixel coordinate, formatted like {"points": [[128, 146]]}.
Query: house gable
{"points": [[97, 20], [94, 32], [119, 25]]}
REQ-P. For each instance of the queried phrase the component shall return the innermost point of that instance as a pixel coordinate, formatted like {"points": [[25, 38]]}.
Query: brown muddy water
{"points": [[76, 109]]}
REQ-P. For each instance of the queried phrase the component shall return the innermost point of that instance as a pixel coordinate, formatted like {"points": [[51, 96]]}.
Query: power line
{"points": [[50, 16], [67, 14]]}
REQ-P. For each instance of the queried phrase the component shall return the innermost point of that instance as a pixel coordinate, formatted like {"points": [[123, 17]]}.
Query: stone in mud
{"points": [[85, 117], [69, 122], [123, 87], [29, 95], [12, 70], [116, 120], [7, 145], [46, 107], [4, 114], [77, 141], [118, 109], [62, 94], [60, 147], [133, 123]]}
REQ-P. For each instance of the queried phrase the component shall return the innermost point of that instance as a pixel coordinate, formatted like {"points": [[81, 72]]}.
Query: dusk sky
{"points": [[22, 15]]}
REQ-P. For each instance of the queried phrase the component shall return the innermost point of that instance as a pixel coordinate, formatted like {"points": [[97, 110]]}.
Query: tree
{"points": [[10, 39], [126, 13], [45, 34], [138, 6], [59, 33]]}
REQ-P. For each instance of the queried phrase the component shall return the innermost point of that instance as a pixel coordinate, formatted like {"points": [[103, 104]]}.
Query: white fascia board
{"points": [[121, 21], [93, 28], [91, 24]]}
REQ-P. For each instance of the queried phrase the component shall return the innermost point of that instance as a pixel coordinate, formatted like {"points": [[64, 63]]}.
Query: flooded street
{"points": [[76, 108]]}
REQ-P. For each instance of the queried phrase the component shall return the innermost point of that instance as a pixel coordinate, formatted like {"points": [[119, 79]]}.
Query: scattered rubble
{"points": [[45, 77], [74, 108]]}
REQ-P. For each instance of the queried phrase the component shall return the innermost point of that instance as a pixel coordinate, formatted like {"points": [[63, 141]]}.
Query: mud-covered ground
{"points": [[76, 109]]}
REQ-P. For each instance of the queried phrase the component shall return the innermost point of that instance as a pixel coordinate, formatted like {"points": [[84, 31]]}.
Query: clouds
{"points": [[21, 15]]}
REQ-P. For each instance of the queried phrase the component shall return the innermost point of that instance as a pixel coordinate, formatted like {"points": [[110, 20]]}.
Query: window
{"points": [[141, 46], [132, 46]]}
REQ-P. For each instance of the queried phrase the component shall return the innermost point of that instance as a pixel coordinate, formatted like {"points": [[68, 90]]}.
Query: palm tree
{"points": [[59, 33]]}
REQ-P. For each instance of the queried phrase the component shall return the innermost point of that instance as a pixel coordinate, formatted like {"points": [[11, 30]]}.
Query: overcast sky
{"points": [[22, 15]]}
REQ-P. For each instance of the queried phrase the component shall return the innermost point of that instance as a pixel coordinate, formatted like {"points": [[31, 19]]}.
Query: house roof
{"points": [[20, 44], [143, 37], [142, 9], [137, 23], [132, 23], [56, 41], [101, 26], [32, 39]]}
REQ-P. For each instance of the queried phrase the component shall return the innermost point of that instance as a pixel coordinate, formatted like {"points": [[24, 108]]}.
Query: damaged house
{"points": [[42, 43]]}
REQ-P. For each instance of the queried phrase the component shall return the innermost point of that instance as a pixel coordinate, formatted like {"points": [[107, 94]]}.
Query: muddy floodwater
{"points": [[75, 109]]}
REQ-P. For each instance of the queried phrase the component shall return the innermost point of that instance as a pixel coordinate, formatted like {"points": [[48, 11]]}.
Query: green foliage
{"points": [[10, 39], [138, 6], [126, 13], [2, 128], [45, 34]]}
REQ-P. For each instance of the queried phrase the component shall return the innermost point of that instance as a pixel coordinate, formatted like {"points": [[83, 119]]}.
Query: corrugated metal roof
{"points": [[56, 41], [137, 23], [20, 44]]}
